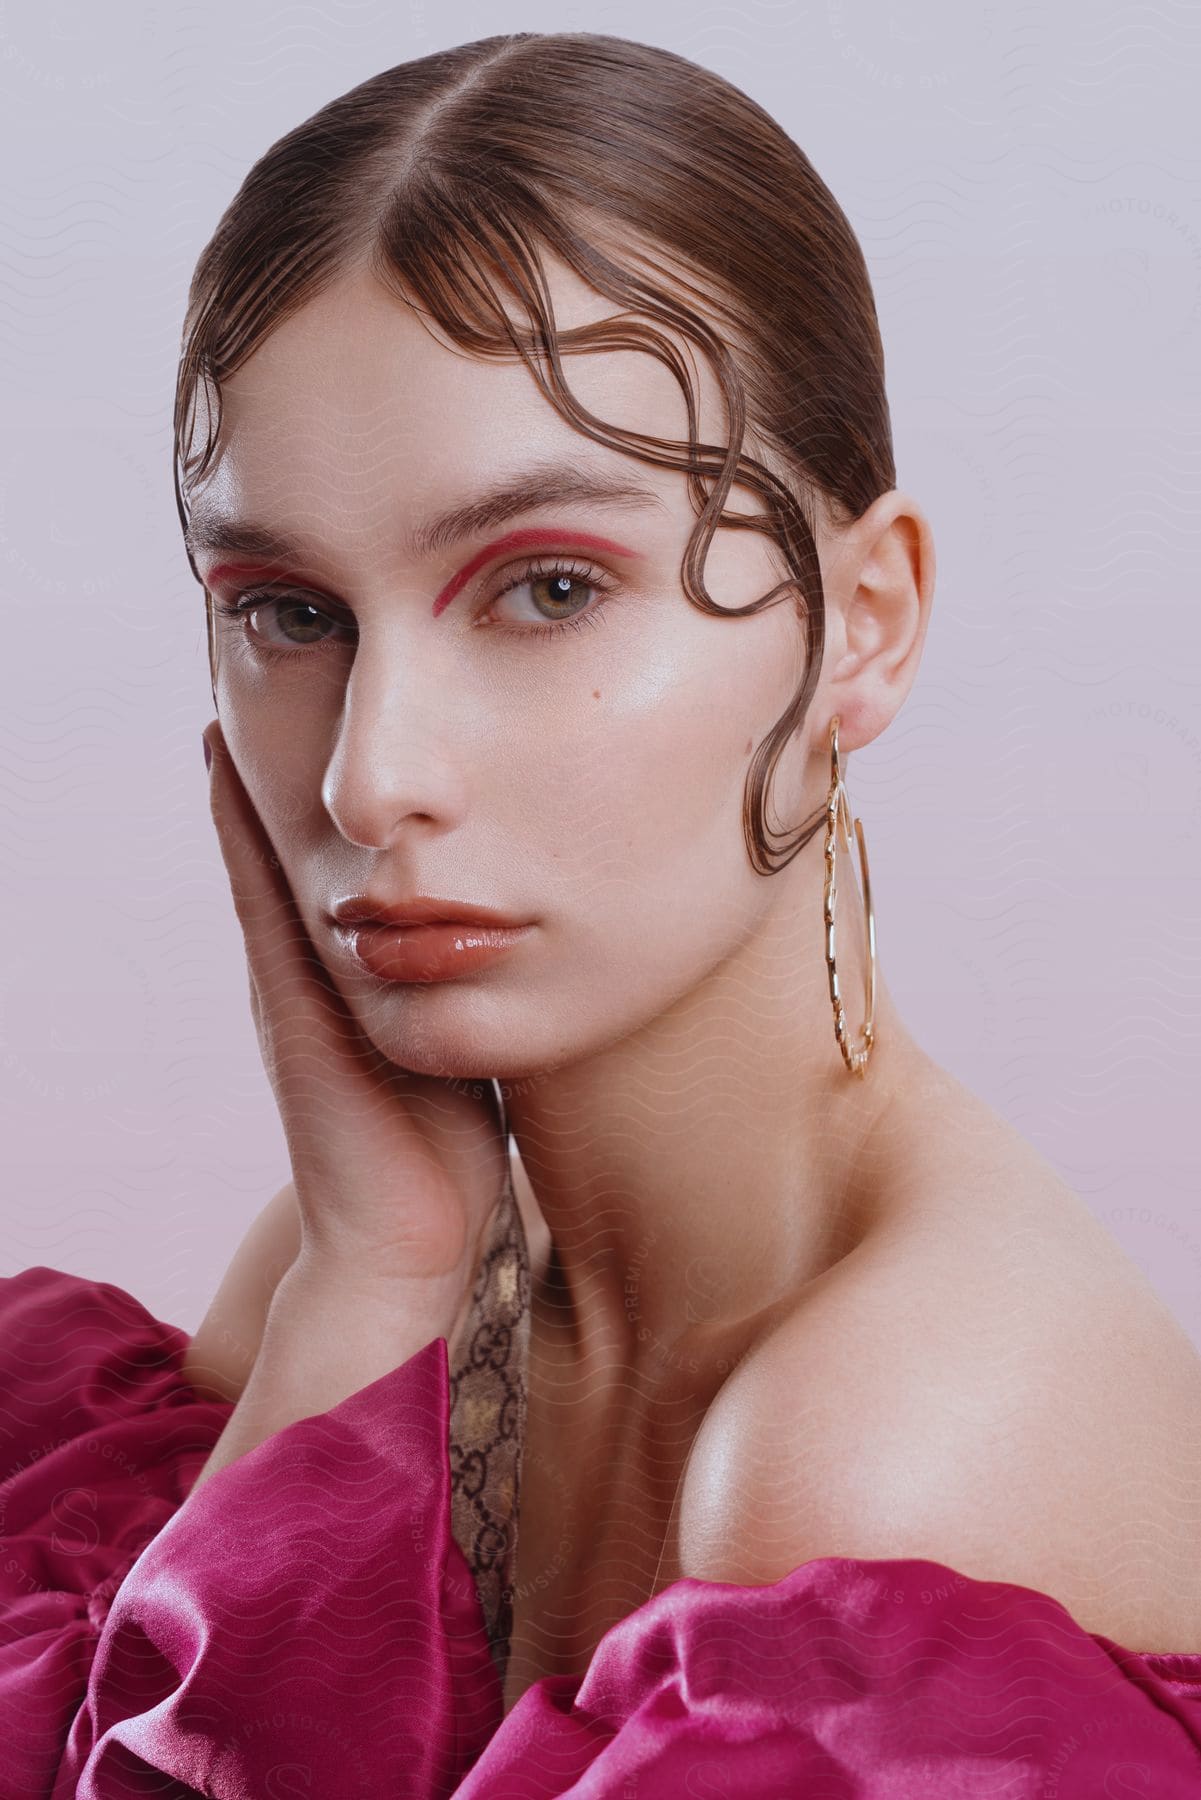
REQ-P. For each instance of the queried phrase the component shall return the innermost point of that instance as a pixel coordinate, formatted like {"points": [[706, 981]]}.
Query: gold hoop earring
{"points": [[838, 812]]}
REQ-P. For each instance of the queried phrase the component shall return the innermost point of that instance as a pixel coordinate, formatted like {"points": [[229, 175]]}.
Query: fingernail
{"points": [[208, 753]]}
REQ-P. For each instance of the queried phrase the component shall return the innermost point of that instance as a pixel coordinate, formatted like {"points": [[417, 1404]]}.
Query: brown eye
{"points": [[282, 621], [552, 604], [298, 621]]}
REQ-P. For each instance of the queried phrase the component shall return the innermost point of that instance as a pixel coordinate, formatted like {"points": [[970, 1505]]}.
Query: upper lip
{"points": [[418, 909]]}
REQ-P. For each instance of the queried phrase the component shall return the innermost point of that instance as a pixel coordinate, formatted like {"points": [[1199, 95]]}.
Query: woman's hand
{"points": [[397, 1175]]}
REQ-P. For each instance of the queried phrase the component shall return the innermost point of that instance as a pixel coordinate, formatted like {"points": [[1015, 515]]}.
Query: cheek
{"points": [[649, 887], [280, 721], [642, 788], [283, 789]]}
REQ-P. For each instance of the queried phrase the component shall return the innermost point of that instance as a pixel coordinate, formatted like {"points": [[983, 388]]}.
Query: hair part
{"points": [[449, 176]]}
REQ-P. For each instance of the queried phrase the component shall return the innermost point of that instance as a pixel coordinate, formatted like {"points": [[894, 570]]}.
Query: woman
{"points": [[783, 1424]]}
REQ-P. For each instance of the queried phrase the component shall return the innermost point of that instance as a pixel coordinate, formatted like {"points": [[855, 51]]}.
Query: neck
{"points": [[696, 1176]]}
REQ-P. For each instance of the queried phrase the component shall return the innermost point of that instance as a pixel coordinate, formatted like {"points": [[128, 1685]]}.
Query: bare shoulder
{"points": [[986, 1380]]}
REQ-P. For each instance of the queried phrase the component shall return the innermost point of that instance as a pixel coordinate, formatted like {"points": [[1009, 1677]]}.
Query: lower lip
{"points": [[438, 952]]}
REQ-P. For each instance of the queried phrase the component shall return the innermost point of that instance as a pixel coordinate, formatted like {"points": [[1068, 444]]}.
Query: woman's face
{"points": [[584, 776]]}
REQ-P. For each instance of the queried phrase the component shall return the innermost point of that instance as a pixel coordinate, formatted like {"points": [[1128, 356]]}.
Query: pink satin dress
{"points": [[328, 1615]]}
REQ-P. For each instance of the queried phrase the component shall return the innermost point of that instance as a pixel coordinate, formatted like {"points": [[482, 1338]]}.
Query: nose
{"points": [[394, 762]]}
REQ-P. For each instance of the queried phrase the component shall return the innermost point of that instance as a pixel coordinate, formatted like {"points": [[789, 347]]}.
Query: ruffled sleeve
{"points": [[306, 1624], [849, 1678], [100, 1438]]}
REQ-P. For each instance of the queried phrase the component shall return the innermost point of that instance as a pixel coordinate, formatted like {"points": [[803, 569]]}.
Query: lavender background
{"points": [[1026, 183]]}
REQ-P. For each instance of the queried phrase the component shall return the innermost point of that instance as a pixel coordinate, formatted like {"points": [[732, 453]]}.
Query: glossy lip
{"points": [[419, 909], [441, 950]]}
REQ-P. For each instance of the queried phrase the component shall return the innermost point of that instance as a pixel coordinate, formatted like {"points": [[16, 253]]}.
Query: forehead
{"points": [[354, 399]]}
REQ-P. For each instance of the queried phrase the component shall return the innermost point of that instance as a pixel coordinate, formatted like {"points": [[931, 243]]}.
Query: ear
{"points": [[878, 575]]}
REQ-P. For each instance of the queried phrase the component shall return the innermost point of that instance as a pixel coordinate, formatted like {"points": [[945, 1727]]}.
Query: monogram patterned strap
{"points": [[488, 1418]]}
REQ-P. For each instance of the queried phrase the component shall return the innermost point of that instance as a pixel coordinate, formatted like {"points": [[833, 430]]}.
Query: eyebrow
{"points": [[545, 484]]}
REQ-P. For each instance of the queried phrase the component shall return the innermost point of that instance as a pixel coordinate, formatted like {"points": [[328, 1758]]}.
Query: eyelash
{"points": [[251, 600]]}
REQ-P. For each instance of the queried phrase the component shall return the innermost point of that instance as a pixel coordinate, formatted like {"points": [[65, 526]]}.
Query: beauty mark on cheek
{"points": [[533, 537]]}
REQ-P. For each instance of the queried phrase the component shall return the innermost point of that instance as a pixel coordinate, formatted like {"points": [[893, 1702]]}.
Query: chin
{"points": [[458, 1032]]}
